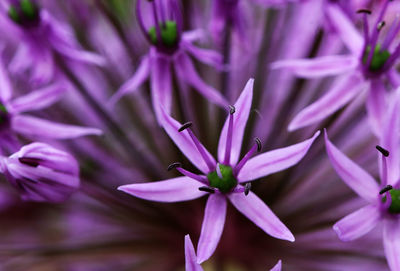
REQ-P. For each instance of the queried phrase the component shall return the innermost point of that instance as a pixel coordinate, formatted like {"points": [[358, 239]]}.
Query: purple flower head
{"points": [[367, 68], [170, 48], [42, 173], [42, 38], [227, 179], [383, 200]]}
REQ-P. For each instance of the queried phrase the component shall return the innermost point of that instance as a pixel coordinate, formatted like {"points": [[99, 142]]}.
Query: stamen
{"points": [[247, 188], [254, 148], [192, 175], [386, 189], [258, 142], [207, 189], [232, 109], [174, 165], [156, 22], [229, 136], [392, 33], [185, 126], [364, 10], [380, 25], [382, 150], [219, 173]]}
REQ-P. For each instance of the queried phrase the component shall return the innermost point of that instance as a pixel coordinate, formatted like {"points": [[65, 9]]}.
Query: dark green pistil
{"points": [[395, 206], [26, 13], [169, 34], [3, 114], [224, 184], [378, 59]]}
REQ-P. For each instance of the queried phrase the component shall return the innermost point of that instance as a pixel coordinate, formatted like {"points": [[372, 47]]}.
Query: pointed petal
{"points": [[36, 127], [161, 86], [343, 90], [141, 74], [206, 56], [277, 267], [186, 71], [5, 84], [352, 174], [190, 256], [240, 117], [171, 190], [275, 160], [258, 212], [37, 99], [376, 105], [318, 67], [345, 29], [194, 35], [391, 242], [213, 225], [185, 142], [357, 223]]}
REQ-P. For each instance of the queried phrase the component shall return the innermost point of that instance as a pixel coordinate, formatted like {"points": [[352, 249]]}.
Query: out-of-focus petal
{"points": [[171, 190], [357, 223], [258, 212], [36, 127], [274, 161], [376, 105], [5, 84], [190, 256], [185, 142], [277, 267], [344, 89], [352, 174], [242, 106], [391, 242], [318, 67], [206, 56], [213, 225]]}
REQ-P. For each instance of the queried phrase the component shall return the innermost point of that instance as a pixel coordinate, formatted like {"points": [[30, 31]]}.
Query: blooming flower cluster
{"points": [[96, 179]]}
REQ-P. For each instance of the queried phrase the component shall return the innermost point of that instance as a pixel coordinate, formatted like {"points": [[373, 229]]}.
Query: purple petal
{"points": [[206, 56], [43, 64], [161, 85], [213, 225], [5, 84], [258, 212], [185, 142], [35, 127], [21, 60], [141, 74], [242, 106], [190, 256], [376, 105], [80, 55], [37, 99], [171, 190], [357, 223], [343, 90], [318, 67], [353, 175], [391, 242], [186, 71], [277, 267], [274, 161], [345, 28]]}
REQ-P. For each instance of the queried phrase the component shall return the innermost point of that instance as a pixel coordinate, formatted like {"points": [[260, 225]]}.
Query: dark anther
{"points": [[232, 109], [363, 10], [385, 189], [174, 165], [33, 162], [258, 142], [382, 150], [185, 126], [207, 189], [247, 188], [380, 25]]}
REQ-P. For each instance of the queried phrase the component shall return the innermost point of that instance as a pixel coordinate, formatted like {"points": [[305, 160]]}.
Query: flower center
{"points": [[24, 14], [379, 57], [223, 180], [394, 207], [169, 34]]}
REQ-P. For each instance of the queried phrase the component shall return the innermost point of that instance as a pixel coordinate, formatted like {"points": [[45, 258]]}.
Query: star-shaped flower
{"points": [[227, 179]]}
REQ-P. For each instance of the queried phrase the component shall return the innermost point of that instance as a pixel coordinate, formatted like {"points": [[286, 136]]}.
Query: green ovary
{"points": [[395, 206], [225, 184], [378, 59], [169, 34]]}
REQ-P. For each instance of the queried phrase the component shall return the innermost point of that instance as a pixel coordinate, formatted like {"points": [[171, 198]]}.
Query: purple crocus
{"points": [[12, 119], [191, 258], [41, 36], [383, 200], [41, 173], [369, 65], [227, 179], [170, 47]]}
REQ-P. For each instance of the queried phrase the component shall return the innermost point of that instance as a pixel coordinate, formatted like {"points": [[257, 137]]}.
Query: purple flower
{"points": [[170, 47], [42, 37], [226, 179], [41, 173], [369, 65], [383, 200]]}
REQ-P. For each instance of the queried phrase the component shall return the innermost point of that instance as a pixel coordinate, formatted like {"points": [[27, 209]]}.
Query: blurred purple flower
{"points": [[170, 47], [370, 63], [42, 173], [225, 179]]}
